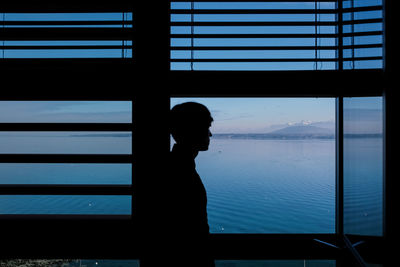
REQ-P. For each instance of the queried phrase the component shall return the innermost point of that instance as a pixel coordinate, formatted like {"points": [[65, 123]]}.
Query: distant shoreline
{"points": [[252, 136], [274, 136], [102, 135]]}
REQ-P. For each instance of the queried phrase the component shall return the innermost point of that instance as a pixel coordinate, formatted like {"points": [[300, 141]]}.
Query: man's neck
{"points": [[187, 149]]}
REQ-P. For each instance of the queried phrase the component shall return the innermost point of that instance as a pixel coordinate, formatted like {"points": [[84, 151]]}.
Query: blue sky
{"points": [[244, 115], [66, 111], [179, 41], [231, 115], [199, 42], [245, 41], [65, 53], [261, 115]]}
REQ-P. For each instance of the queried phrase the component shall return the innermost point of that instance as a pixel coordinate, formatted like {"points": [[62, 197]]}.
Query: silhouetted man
{"points": [[190, 127]]}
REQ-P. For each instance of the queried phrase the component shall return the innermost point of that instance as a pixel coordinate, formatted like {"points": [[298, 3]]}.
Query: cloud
{"points": [[237, 117]]}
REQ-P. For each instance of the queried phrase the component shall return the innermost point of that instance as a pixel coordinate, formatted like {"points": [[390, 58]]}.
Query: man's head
{"points": [[190, 125]]}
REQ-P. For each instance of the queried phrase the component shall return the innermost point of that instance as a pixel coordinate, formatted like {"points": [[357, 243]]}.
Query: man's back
{"points": [[184, 198], [189, 199], [185, 205]]}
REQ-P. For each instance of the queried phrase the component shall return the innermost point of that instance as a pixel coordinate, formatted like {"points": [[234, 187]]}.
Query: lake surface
{"points": [[363, 186], [270, 186], [66, 142], [253, 186]]}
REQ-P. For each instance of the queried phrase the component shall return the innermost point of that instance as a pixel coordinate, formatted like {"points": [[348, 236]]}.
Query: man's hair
{"points": [[188, 115]]}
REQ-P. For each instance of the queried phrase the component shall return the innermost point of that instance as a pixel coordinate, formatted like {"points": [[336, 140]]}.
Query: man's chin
{"points": [[203, 147]]}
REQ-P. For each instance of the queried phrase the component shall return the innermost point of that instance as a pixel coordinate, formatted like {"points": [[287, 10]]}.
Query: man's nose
{"points": [[209, 133]]}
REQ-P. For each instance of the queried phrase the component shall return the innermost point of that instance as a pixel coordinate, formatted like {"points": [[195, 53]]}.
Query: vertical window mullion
{"points": [[384, 171], [340, 34], [339, 165]]}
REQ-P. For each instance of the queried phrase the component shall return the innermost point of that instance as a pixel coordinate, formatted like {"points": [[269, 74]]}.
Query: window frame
{"points": [[152, 59], [342, 83]]}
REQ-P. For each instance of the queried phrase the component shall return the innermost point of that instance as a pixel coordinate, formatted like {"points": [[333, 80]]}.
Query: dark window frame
{"points": [[124, 76], [338, 83]]}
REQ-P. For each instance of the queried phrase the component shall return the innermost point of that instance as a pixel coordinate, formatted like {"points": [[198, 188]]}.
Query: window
{"points": [[66, 35], [51, 171], [276, 35], [324, 50], [363, 166], [270, 167], [363, 34], [253, 36], [238, 51]]}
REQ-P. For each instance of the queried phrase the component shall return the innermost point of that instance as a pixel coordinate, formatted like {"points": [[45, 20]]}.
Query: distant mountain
{"points": [[290, 132], [303, 130], [275, 127]]}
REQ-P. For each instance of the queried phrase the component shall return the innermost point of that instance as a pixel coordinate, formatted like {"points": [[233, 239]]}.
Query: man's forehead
{"points": [[202, 124]]}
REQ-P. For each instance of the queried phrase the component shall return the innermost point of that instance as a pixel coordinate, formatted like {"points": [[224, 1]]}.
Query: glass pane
{"points": [[52, 204], [251, 66], [252, 52], [363, 165], [358, 27], [66, 111], [66, 142], [270, 167], [26, 173], [72, 53], [68, 17], [43, 47]]}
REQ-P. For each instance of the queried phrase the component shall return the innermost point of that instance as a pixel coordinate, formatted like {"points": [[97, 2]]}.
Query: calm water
{"points": [[270, 186], [65, 174], [363, 186], [66, 142], [253, 186]]}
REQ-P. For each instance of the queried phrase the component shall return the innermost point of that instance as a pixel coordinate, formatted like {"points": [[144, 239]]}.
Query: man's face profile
{"points": [[196, 137], [191, 124], [202, 138]]}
